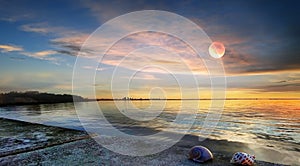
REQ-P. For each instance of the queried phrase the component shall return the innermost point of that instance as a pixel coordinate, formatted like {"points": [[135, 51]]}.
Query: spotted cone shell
{"points": [[200, 154], [243, 158]]}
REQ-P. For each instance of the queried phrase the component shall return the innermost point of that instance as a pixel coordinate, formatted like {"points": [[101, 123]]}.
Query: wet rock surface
{"points": [[16, 136]]}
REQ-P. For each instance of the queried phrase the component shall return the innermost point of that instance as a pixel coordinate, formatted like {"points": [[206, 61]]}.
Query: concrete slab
{"points": [[17, 137], [23, 143]]}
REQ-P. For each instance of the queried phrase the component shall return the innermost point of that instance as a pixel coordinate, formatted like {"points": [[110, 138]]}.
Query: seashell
{"points": [[200, 154], [242, 158]]}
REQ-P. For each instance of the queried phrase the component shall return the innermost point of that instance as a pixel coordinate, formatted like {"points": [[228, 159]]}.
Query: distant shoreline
{"points": [[104, 99], [35, 97], [21, 104], [90, 100]]}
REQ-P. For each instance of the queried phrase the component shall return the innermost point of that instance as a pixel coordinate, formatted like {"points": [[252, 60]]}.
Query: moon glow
{"points": [[216, 49]]}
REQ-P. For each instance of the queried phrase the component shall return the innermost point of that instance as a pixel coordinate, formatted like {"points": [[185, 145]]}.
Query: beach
{"points": [[59, 146]]}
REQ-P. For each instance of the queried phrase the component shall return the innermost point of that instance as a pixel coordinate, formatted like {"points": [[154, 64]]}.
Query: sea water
{"points": [[273, 124]]}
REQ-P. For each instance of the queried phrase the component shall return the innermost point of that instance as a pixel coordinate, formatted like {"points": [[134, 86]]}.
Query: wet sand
{"points": [[23, 143]]}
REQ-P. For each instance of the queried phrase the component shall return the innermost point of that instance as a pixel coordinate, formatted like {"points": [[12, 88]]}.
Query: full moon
{"points": [[216, 49]]}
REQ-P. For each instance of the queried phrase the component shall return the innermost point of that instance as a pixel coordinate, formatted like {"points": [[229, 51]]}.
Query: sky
{"points": [[40, 40]]}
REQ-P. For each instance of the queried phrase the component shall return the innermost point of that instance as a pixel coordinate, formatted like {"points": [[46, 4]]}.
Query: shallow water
{"points": [[274, 124]]}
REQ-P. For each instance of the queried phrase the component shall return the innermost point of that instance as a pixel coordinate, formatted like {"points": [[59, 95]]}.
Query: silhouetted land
{"points": [[35, 97], [108, 99]]}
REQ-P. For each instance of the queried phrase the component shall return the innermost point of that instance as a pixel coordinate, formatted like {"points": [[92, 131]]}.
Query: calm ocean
{"points": [[273, 124]]}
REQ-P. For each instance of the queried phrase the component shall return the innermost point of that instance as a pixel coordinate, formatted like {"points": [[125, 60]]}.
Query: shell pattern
{"points": [[200, 154], [243, 158]]}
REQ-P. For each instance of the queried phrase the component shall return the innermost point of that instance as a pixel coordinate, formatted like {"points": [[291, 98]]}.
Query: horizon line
{"points": [[253, 98]]}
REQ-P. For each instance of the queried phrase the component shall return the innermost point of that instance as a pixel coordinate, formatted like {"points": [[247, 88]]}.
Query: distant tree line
{"points": [[35, 97]]}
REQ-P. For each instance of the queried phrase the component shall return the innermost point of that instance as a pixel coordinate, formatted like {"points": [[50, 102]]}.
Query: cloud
{"points": [[245, 54], [17, 58], [255, 50], [143, 77], [251, 51], [272, 82], [43, 55], [46, 28], [91, 68], [279, 88], [37, 28], [150, 48], [15, 18], [67, 41], [70, 45], [9, 48], [40, 54], [287, 79], [12, 11]]}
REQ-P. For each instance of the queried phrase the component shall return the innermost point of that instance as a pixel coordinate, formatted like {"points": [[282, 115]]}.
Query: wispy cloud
{"points": [[66, 41], [154, 49], [287, 87], [43, 55], [46, 28], [272, 82], [247, 52], [252, 51], [9, 48], [13, 11], [70, 45], [91, 68], [286, 78], [40, 54], [47, 55], [16, 18], [37, 28], [143, 77], [17, 58]]}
